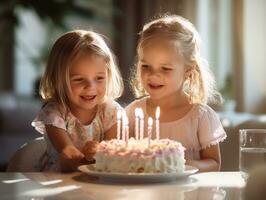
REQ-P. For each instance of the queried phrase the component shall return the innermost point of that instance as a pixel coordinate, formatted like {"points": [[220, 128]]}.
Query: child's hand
{"points": [[71, 152], [89, 150], [70, 158], [190, 162]]}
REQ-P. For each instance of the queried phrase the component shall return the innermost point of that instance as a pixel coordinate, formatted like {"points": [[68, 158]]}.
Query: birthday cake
{"points": [[140, 156]]}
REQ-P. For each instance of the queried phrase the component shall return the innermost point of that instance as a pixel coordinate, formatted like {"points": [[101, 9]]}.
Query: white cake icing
{"points": [[161, 156]]}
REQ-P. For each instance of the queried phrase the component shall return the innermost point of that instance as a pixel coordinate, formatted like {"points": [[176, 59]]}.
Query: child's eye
{"points": [[78, 79], [144, 66], [100, 78], [166, 69]]}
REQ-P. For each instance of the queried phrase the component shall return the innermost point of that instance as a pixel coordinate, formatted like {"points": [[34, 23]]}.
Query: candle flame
{"points": [[137, 112], [141, 114], [119, 114], [157, 112], [150, 121], [125, 118]]}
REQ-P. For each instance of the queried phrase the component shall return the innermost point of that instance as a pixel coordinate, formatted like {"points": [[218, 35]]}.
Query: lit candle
{"points": [[119, 115], [141, 131], [150, 122], [137, 123], [157, 115], [126, 130], [124, 116]]}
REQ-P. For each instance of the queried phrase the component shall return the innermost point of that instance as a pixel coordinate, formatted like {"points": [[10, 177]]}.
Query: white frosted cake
{"points": [[161, 156]]}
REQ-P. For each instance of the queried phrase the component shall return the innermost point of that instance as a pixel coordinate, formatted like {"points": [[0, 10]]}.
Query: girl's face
{"points": [[88, 82], [162, 70]]}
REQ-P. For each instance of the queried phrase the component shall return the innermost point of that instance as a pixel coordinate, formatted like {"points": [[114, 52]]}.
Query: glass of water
{"points": [[252, 150]]}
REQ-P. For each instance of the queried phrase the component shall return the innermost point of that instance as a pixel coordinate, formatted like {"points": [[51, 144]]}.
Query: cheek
{"points": [[75, 88], [177, 81], [101, 88], [143, 75], [143, 79]]}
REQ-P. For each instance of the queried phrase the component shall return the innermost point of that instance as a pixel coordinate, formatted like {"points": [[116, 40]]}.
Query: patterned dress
{"points": [[53, 114]]}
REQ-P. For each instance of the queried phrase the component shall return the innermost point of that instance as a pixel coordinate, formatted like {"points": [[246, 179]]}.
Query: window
{"points": [[214, 25]]}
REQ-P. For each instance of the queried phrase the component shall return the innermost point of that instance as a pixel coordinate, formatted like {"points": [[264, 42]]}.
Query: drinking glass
{"points": [[252, 152]]}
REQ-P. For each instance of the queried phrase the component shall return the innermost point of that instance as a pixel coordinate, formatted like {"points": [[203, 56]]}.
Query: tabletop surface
{"points": [[78, 185]]}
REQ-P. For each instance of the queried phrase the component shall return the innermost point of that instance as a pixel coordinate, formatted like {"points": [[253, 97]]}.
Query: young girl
{"points": [[171, 74], [79, 86]]}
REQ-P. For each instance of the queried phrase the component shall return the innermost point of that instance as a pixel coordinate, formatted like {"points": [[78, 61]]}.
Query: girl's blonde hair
{"points": [[55, 83], [200, 85]]}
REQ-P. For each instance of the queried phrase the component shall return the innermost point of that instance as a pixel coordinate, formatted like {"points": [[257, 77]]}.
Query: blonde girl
{"points": [[79, 86], [170, 73]]}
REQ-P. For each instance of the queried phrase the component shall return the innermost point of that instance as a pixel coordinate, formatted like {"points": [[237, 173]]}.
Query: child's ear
{"points": [[189, 71]]}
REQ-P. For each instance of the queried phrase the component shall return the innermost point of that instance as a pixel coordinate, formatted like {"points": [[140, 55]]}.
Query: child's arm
{"points": [[70, 156], [210, 159], [89, 150], [91, 146], [111, 133]]}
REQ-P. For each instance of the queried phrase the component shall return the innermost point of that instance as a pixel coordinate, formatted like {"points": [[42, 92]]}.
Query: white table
{"points": [[38, 186]]}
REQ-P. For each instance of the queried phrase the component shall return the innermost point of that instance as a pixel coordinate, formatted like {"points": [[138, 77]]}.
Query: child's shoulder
{"points": [[203, 111], [107, 112], [204, 108], [52, 106]]}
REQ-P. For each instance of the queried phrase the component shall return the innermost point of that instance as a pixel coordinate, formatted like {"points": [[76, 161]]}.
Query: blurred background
{"points": [[233, 34]]}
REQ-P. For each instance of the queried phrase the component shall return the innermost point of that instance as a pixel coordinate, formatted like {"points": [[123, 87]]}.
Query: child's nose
{"points": [[89, 84], [154, 72]]}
